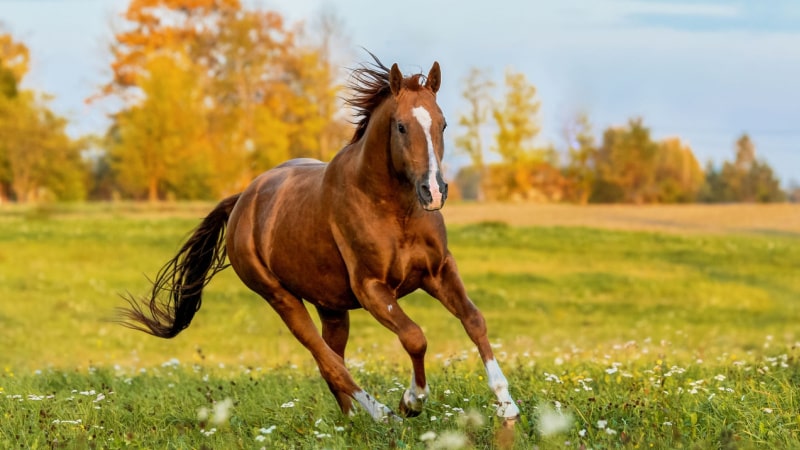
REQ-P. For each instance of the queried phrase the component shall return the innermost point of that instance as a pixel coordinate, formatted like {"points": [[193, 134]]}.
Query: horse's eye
{"points": [[401, 128]]}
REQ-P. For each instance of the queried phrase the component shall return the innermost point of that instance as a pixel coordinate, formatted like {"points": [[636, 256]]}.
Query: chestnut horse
{"points": [[359, 232]]}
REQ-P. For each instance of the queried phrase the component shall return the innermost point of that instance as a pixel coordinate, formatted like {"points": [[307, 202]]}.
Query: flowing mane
{"points": [[370, 86]]}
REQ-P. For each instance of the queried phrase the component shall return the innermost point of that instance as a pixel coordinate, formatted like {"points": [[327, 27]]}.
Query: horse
{"points": [[361, 231]]}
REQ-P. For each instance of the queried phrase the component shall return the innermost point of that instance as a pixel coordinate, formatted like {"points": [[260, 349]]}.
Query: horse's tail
{"points": [[182, 279]]}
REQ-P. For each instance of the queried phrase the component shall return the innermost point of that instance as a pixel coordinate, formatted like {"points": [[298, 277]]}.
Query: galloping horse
{"points": [[359, 232]]}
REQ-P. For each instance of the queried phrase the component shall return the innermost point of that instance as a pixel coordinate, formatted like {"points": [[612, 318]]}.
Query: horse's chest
{"points": [[412, 264]]}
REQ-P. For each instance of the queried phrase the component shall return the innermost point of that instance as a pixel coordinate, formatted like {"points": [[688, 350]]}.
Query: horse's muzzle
{"points": [[432, 197]]}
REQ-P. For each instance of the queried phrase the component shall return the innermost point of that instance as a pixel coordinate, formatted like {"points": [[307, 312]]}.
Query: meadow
{"points": [[617, 327]]}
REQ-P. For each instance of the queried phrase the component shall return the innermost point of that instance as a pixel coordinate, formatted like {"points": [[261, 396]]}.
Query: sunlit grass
{"points": [[644, 339]]}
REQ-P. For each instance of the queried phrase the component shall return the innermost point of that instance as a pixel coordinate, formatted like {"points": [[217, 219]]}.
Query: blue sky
{"points": [[702, 70]]}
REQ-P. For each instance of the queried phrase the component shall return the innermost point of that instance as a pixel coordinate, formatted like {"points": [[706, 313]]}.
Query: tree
{"points": [[159, 146], [477, 93], [745, 179], [582, 153], [38, 160], [625, 165], [678, 175], [259, 96], [516, 119]]}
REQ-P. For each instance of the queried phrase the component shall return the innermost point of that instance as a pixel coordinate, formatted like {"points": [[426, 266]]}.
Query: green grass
{"points": [[671, 340]]}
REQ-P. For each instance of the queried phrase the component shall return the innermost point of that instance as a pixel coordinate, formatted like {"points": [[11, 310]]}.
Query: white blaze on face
{"points": [[498, 383], [424, 118]]}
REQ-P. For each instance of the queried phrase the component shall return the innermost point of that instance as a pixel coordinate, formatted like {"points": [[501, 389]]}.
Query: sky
{"points": [[705, 71]]}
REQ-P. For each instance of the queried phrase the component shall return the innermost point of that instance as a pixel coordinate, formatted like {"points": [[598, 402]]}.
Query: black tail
{"points": [[182, 279]]}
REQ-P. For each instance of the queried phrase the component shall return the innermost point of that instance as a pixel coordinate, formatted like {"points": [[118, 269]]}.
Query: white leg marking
{"points": [[424, 118], [412, 398], [376, 409], [498, 383]]}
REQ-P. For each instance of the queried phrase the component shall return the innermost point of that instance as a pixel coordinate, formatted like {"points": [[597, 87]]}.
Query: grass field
{"points": [[617, 328]]}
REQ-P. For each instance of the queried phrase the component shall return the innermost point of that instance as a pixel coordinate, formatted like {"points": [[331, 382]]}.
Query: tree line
{"points": [[626, 165], [214, 93]]}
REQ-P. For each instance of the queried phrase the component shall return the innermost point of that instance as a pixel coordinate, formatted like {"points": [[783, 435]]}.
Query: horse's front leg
{"points": [[381, 302], [448, 288]]}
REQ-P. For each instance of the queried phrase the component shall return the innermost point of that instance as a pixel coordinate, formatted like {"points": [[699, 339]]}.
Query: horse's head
{"points": [[417, 126]]}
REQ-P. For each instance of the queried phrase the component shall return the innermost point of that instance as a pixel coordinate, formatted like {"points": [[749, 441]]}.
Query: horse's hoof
{"points": [[407, 412], [508, 411]]}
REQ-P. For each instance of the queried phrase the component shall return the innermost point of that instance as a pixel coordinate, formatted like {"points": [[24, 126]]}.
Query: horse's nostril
{"points": [[425, 192], [444, 190]]}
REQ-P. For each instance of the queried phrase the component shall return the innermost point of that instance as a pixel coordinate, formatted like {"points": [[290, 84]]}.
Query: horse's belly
{"points": [[319, 283]]}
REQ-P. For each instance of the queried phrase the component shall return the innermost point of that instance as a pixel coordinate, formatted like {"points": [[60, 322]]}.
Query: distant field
{"points": [[654, 327], [749, 218], [692, 218]]}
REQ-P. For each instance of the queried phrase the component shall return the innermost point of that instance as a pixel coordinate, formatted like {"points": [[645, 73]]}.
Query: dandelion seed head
{"points": [[427, 436], [222, 411], [451, 440], [471, 419], [552, 421]]}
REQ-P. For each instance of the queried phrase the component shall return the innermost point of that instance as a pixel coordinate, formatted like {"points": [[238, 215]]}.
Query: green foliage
{"points": [[642, 338], [38, 160], [745, 179]]}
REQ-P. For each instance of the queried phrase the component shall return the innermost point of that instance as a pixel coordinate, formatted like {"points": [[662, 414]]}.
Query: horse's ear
{"points": [[434, 78], [395, 79]]}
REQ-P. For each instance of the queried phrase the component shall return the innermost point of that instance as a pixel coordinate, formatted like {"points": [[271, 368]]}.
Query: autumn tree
{"points": [[516, 119], [580, 169], [38, 160], [155, 141], [257, 95], [678, 175], [526, 173], [477, 93], [625, 162]]}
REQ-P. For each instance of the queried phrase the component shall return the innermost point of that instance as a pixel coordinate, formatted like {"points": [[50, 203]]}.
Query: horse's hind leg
{"points": [[335, 331]]}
